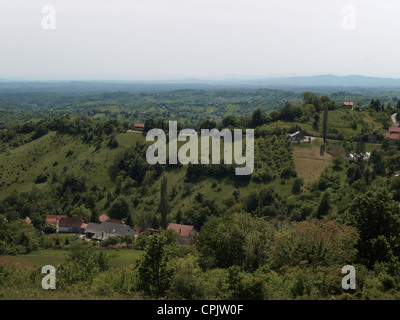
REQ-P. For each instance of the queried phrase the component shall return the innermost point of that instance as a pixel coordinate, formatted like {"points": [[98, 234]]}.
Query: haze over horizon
{"points": [[192, 39]]}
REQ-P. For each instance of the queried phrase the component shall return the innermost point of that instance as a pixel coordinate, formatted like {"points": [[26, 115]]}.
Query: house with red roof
{"points": [[71, 225], [138, 126], [53, 219], [115, 221], [394, 130], [393, 134], [349, 104], [185, 232]]}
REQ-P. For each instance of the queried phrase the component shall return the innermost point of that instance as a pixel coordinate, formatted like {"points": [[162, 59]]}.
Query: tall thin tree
{"points": [[164, 203], [325, 124]]}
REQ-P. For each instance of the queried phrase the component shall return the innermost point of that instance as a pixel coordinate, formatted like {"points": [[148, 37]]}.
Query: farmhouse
{"points": [[71, 225], [138, 126], [393, 134], [297, 136], [372, 138], [394, 130], [53, 219], [92, 229], [349, 104], [101, 232], [185, 232]]}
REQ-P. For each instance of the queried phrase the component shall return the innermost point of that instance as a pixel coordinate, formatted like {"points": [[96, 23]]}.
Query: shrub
{"points": [[315, 242], [187, 281]]}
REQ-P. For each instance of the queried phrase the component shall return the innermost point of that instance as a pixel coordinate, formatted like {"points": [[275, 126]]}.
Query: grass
{"points": [[48, 155], [117, 257], [41, 258], [310, 160]]}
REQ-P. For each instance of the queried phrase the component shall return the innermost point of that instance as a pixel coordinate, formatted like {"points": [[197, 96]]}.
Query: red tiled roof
{"points": [[103, 218], [394, 129], [28, 220], [70, 222], [348, 103], [139, 125], [138, 230], [393, 136], [53, 218], [115, 221], [181, 229]]}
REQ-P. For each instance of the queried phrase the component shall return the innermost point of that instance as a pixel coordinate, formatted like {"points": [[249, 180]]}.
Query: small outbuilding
{"points": [[297, 136]]}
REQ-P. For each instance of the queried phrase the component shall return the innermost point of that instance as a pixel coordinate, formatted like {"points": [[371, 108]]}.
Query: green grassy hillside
{"points": [[57, 154]]}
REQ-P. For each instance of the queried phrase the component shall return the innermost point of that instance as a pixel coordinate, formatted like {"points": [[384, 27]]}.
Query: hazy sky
{"points": [[143, 39]]}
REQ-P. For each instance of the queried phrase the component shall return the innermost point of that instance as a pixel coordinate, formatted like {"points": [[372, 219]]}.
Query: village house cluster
{"points": [[110, 227], [394, 132]]}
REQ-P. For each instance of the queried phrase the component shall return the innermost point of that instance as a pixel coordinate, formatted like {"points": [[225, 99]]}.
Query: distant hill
{"points": [[323, 83], [333, 81]]}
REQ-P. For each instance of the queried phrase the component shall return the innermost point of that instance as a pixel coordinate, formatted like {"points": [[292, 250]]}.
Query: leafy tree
{"points": [[235, 239], [113, 142], [229, 121], [41, 130], [290, 112], [82, 264], [171, 236], [376, 214], [142, 241], [337, 164], [310, 98], [82, 212], [258, 118], [208, 124], [324, 206], [315, 242], [154, 271], [236, 194], [377, 161], [119, 209], [297, 185], [187, 281]]}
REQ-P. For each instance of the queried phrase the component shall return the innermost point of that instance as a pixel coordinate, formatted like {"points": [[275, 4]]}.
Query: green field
{"points": [[117, 257]]}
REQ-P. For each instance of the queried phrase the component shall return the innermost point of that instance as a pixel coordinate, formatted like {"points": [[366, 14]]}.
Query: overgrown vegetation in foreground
{"points": [[300, 263], [236, 256]]}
